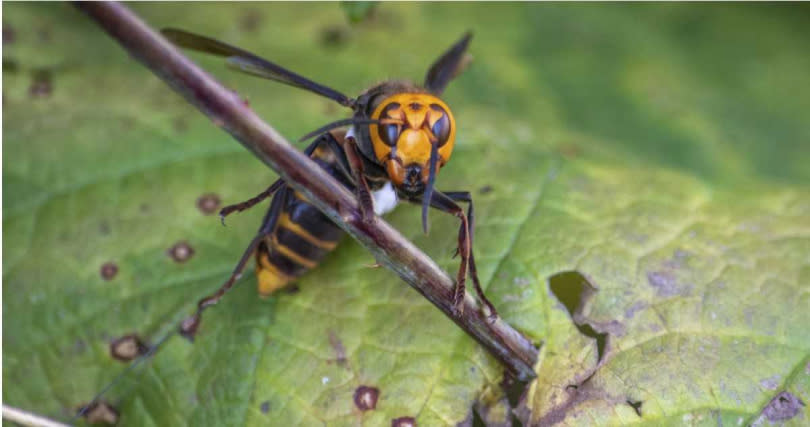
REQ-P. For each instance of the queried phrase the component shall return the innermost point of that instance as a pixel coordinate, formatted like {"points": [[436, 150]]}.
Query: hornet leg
{"points": [[464, 196], [362, 188], [188, 327], [249, 203], [446, 202]]}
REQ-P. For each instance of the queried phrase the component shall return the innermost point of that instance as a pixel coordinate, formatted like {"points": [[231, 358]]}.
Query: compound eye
{"points": [[389, 133], [441, 128]]}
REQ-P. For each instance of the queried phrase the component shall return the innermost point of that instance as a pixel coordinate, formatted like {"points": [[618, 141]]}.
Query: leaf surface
{"points": [[657, 153]]}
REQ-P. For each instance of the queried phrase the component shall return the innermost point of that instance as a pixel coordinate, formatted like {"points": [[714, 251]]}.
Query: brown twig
{"points": [[390, 248]]}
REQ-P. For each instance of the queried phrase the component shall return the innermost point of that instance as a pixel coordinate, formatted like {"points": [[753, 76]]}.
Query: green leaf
{"points": [[642, 202]]}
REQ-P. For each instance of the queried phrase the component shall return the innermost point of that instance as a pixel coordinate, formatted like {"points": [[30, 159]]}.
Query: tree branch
{"points": [[390, 248]]}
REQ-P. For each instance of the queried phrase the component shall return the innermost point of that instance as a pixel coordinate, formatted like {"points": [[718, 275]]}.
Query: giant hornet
{"points": [[398, 138]]}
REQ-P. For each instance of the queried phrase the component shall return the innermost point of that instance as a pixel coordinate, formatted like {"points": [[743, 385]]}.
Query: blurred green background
{"points": [[609, 139]]}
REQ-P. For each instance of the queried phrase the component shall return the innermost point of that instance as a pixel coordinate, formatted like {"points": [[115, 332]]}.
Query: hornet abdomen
{"points": [[301, 235]]}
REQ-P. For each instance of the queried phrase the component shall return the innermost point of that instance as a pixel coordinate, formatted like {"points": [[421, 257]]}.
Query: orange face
{"points": [[412, 123]]}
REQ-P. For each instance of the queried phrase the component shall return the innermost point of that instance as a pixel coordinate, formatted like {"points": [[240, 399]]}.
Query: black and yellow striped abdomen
{"points": [[301, 235]]}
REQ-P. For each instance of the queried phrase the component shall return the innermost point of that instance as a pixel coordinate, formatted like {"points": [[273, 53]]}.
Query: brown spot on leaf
{"points": [[9, 34], [104, 228], [189, 326], [558, 413], [250, 20], [771, 383], [485, 189], [181, 252], [100, 412], [208, 203], [334, 36], [576, 396], [365, 398], [783, 407], [108, 270], [41, 84], [292, 289], [127, 348], [403, 422], [635, 308], [337, 346], [265, 407], [666, 284]]}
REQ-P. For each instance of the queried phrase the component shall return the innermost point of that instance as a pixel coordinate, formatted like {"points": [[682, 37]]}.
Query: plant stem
{"points": [[391, 249]]}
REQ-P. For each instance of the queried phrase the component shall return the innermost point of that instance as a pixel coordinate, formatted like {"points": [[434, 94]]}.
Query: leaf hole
{"points": [[636, 405], [600, 337], [477, 419], [515, 391], [573, 290]]}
